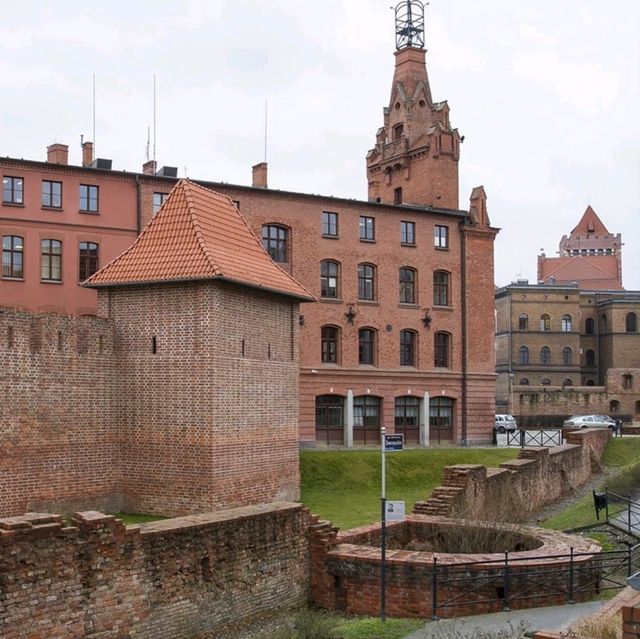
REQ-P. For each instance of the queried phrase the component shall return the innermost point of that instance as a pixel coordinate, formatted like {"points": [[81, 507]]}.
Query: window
{"points": [[51, 260], [330, 343], [627, 381], [89, 198], [329, 224], [440, 288], [367, 228], [523, 322], [12, 190], [407, 418], [614, 406], [441, 419], [442, 347], [366, 282], [567, 356], [367, 346], [329, 279], [524, 381], [566, 323], [441, 236], [408, 341], [545, 323], [51, 194], [589, 326], [567, 382], [396, 132], [603, 323], [158, 201], [545, 356], [524, 355], [408, 233], [329, 419], [590, 382], [12, 256], [407, 285], [590, 358], [631, 323], [366, 419], [545, 381], [88, 254], [275, 240], [397, 195]]}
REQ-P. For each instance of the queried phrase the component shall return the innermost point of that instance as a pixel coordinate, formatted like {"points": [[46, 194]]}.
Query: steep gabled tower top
{"points": [[409, 24]]}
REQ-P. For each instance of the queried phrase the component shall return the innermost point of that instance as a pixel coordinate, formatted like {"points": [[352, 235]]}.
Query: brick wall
{"points": [[172, 579], [538, 477], [58, 439]]}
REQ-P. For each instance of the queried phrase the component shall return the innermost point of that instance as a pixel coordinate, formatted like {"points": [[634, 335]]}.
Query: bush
{"points": [[511, 632], [605, 627], [308, 624]]}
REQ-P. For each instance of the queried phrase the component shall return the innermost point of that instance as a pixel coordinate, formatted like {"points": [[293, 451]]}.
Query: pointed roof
{"points": [[590, 223], [198, 234]]}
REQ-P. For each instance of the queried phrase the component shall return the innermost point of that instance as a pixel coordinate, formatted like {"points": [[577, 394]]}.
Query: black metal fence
{"points": [[520, 582], [522, 438], [622, 512]]}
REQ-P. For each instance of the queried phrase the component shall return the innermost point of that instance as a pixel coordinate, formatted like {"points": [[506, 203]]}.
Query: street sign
{"points": [[394, 510], [393, 443]]}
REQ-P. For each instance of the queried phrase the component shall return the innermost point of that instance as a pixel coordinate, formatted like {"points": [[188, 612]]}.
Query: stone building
{"points": [[402, 336]]}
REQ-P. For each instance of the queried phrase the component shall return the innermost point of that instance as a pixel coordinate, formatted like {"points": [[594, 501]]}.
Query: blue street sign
{"points": [[393, 442]]}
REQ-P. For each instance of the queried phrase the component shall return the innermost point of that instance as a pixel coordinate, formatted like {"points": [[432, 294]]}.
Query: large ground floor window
{"points": [[407, 418], [330, 419], [366, 420], [440, 419]]}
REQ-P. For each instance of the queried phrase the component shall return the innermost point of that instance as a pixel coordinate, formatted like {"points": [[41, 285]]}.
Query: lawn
{"points": [[343, 486]]}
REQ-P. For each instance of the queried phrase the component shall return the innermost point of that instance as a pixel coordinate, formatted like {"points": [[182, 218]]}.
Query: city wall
{"points": [[173, 579]]}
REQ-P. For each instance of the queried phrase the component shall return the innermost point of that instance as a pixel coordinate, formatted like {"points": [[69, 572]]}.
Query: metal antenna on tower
{"points": [[154, 117], [265, 129], [410, 23], [94, 116]]}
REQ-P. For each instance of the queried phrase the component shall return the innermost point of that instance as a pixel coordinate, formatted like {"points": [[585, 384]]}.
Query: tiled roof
{"points": [[198, 234], [590, 223], [593, 272]]}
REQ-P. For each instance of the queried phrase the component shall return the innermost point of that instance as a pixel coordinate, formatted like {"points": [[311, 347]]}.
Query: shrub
{"points": [[598, 627]]}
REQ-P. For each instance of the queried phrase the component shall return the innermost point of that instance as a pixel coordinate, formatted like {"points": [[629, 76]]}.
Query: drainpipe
{"points": [[463, 295]]}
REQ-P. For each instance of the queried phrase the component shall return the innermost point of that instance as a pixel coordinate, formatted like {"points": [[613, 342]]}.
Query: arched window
{"points": [[590, 357], [545, 323], [524, 381], [367, 346], [330, 338], [88, 259], [567, 382], [590, 382], [407, 285], [441, 288], [589, 326], [408, 343], [12, 256], [524, 355], [442, 350], [396, 132], [523, 322], [51, 260], [603, 323], [627, 381], [330, 419], [275, 240], [545, 356], [614, 406], [329, 279], [546, 381], [397, 195], [366, 282], [407, 418], [366, 419], [631, 323], [567, 356], [566, 323], [441, 419], [637, 407]]}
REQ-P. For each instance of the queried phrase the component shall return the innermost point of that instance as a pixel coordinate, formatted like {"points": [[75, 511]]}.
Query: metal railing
{"points": [[506, 582], [522, 438], [622, 512]]}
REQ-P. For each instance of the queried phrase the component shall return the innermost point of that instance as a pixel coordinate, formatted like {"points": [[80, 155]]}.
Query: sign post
{"points": [[389, 443]]}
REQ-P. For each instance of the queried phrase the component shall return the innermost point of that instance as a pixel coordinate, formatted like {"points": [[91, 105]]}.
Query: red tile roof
{"points": [[198, 234], [589, 223]]}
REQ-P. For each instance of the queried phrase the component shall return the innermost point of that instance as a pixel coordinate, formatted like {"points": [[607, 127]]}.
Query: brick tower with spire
{"points": [[415, 158]]}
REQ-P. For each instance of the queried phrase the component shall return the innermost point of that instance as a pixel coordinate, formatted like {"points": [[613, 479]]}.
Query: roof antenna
{"points": [[265, 129], [148, 142], [94, 116], [154, 117]]}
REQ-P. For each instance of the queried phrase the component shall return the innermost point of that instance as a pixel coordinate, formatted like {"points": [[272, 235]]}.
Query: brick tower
{"points": [[415, 158]]}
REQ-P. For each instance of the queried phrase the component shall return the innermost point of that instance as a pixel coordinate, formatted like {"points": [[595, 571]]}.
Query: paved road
{"points": [[553, 617]]}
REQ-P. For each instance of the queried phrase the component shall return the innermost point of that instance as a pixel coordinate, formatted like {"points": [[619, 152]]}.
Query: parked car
{"points": [[505, 423], [590, 421]]}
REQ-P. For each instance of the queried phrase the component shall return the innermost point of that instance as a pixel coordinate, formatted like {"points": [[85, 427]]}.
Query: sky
{"points": [[546, 93]]}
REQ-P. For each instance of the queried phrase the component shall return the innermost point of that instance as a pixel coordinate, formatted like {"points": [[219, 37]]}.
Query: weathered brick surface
{"points": [[173, 579]]}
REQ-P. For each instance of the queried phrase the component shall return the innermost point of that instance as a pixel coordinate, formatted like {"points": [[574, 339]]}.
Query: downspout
{"points": [[463, 295]]}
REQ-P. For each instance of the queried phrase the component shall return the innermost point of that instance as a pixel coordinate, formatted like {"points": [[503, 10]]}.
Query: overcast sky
{"points": [[546, 94]]}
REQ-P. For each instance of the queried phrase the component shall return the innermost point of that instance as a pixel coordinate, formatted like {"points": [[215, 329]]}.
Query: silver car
{"points": [[505, 423], [590, 421]]}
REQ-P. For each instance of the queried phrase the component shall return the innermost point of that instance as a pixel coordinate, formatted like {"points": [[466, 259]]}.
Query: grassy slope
{"points": [[344, 486]]}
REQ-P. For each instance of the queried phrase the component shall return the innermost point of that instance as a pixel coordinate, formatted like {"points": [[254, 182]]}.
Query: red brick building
{"points": [[402, 336]]}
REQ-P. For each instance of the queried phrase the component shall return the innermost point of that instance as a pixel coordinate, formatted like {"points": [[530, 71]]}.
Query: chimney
{"points": [[260, 175], [58, 154], [87, 153], [149, 167]]}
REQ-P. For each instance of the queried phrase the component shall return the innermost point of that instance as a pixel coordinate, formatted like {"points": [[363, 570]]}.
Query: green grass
{"points": [[343, 486], [134, 518], [372, 628], [622, 451]]}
